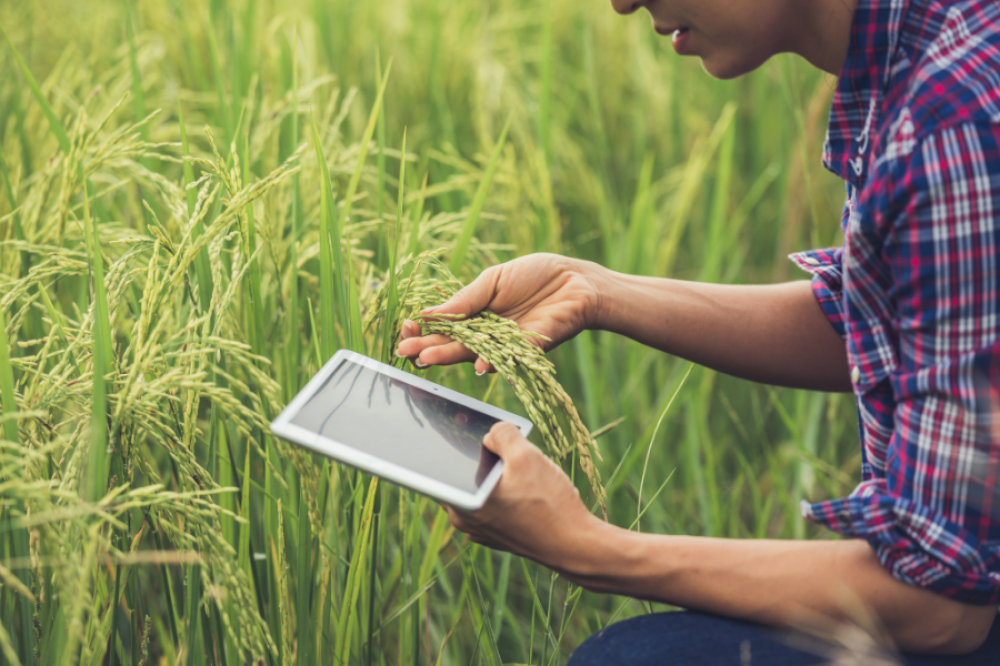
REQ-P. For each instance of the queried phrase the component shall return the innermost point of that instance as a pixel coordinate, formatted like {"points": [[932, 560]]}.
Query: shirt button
{"points": [[844, 519], [812, 261], [855, 374]]}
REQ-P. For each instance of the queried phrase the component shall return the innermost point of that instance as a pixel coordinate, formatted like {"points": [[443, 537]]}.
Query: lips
{"points": [[666, 31], [679, 39], [678, 35]]}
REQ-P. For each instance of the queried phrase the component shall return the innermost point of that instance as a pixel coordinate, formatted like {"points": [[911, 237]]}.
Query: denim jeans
{"points": [[696, 639]]}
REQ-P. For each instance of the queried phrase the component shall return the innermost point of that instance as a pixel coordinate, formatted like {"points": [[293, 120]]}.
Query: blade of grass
{"points": [[413, 244], [201, 264], [545, 97], [649, 450], [18, 534], [18, 229], [693, 177], [501, 595], [718, 227], [331, 267], [277, 542], [256, 313], [381, 259], [482, 616], [350, 310], [303, 590], [478, 201], [54, 123], [138, 96], [293, 335], [536, 602], [373, 575], [353, 587], [393, 296], [223, 110], [243, 552], [103, 355], [57, 322]]}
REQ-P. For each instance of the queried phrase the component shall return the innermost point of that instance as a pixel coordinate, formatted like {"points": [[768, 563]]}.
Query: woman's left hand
{"points": [[534, 511]]}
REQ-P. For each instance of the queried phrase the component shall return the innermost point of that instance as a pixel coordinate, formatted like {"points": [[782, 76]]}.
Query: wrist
{"points": [[602, 280], [604, 558]]}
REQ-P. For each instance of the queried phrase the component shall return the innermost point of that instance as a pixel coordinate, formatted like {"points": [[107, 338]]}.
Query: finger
{"points": [[413, 346], [446, 354], [472, 298], [505, 440], [410, 329], [482, 367], [457, 519]]}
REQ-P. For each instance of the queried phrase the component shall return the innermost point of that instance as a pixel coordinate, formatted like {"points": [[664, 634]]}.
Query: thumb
{"points": [[470, 299], [504, 439]]}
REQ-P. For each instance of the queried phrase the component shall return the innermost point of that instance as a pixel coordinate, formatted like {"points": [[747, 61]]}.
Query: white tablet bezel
{"points": [[285, 429]]}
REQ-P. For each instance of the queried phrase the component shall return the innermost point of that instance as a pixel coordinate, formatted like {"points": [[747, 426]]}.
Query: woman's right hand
{"points": [[548, 294]]}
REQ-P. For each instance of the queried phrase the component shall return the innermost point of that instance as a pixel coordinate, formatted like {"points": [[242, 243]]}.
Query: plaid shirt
{"points": [[915, 289]]}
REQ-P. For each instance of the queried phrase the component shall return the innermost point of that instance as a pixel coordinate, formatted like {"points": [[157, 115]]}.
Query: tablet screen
{"points": [[390, 419]]}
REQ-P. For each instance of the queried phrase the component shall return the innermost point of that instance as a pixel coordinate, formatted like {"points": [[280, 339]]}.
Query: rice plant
{"points": [[202, 202]]}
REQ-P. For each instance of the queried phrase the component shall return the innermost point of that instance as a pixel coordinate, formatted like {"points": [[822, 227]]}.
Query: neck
{"points": [[820, 31]]}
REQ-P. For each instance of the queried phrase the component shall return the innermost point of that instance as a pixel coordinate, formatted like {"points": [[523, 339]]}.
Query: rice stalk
{"points": [[511, 351]]}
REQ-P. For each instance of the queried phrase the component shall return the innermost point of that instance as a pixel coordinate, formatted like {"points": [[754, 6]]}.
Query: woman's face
{"points": [[732, 37]]}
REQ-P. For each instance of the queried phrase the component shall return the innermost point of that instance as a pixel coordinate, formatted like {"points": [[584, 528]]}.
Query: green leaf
{"points": [[413, 244], [256, 310], [331, 267], [138, 96], [353, 587], [244, 549], [292, 347], [472, 220], [103, 355], [351, 311], [18, 535], [213, 45], [303, 590], [7, 399], [393, 296], [50, 114], [202, 266]]}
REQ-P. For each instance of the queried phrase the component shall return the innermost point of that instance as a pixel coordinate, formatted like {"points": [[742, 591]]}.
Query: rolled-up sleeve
{"points": [[827, 281], [931, 508]]}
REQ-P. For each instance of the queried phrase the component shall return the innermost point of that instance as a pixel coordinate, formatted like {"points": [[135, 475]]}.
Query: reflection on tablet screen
{"points": [[390, 419]]}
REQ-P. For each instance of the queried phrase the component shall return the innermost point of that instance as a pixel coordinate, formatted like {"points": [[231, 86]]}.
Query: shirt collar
{"points": [[863, 79]]}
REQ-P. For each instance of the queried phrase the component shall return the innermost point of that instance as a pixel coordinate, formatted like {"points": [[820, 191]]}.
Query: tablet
{"points": [[400, 427]]}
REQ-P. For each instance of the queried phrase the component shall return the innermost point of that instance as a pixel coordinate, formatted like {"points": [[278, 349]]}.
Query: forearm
{"points": [[774, 334], [774, 582]]}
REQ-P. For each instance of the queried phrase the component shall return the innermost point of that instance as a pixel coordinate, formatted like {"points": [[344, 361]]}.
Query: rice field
{"points": [[202, 202]]}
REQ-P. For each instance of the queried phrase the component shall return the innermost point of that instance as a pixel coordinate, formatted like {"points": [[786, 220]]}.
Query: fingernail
{"points": [[398, 355], [420, 364], [480, 373], [429, 310]]}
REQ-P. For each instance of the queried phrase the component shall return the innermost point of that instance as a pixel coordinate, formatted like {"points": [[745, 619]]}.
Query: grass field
{"points": [[200, 201]]}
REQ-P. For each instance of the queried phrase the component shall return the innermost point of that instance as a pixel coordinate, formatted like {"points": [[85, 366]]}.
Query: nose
{"points": [[626, 6]]}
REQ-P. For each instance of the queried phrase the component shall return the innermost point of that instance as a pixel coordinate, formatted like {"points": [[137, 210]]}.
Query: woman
{"points": [[905, 315]]}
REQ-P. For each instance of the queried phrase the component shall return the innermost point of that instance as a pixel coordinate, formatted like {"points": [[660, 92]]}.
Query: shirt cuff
{"points": [[915, 545], [827, 282]]}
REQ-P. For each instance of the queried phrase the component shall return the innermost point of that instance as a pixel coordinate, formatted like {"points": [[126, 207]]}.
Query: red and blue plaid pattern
{"points": [[915, 289]]}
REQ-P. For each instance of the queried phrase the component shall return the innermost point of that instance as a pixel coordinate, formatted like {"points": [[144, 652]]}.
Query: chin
{"points": [[726, 66], [724, 70]]}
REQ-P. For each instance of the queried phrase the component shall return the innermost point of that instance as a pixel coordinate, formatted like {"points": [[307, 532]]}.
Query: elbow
{"points": [[951, 629]]}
